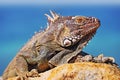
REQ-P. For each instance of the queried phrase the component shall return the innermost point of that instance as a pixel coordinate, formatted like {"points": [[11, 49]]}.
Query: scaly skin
{"points": [[63, 39]]}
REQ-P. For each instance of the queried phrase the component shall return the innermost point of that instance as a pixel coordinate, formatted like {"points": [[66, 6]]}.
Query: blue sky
{"points": [[59, 2]]}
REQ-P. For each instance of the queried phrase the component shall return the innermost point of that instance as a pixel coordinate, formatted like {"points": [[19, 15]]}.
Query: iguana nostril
{"points": [[97, 20]]}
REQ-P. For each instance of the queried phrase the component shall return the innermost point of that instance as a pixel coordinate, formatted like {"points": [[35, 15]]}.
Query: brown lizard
{"points": [[64, 38]]}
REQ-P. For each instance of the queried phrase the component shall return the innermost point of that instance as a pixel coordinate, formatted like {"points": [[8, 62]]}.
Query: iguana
{"points": [[64, 37]]}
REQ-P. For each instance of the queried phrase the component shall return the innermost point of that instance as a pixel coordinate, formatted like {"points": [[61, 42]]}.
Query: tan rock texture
{"points": [[80, 71]]}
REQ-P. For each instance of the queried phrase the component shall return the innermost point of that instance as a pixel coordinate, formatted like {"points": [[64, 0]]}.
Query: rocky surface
{"points": [[80, 71]]}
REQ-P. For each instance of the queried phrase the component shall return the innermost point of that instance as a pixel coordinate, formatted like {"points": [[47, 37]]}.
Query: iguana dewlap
{"points": [[64, 37]]}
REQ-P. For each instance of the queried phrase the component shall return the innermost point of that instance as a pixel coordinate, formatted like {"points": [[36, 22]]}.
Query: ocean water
{"points": [[18, 24]]}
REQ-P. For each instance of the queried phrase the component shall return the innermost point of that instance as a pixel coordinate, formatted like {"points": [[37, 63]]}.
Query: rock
{"points": [[80, 71]]}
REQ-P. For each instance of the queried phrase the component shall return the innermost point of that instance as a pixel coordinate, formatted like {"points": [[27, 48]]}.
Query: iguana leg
{"points": [[21, 67], [42, 58], [60, 58], [18, 67], [10, 71], [24, 63], [66, 55]]}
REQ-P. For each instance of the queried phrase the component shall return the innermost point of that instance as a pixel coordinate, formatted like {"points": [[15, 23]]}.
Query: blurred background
{"points": [[20, 20]]}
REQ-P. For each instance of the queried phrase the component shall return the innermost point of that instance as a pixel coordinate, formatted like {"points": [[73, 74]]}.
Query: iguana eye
{"points": [[67, 42], [79, 20]]}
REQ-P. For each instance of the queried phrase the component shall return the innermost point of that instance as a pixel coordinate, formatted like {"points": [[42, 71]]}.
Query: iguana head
{"points": [[69, 30]]}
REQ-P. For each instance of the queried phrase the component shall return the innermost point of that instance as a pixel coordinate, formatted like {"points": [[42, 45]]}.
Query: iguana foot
{"points": [[22, 77], [32, 73]]}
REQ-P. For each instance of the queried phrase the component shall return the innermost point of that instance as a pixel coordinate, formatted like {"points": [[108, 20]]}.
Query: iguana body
{"points": [[63, 39]]}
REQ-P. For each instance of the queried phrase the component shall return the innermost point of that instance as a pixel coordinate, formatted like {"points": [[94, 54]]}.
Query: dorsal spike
{"points": [[54, 15], [50, 19]]}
